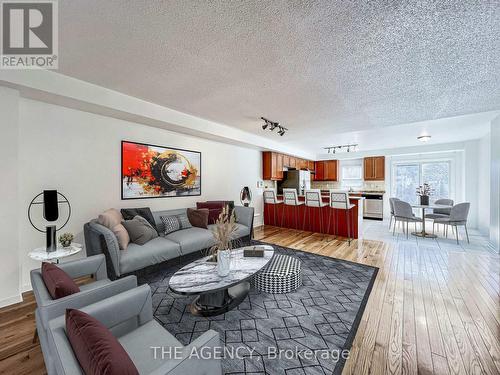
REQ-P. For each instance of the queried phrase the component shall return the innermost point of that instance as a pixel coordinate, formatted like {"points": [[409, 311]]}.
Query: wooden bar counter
{"points": [[321, 220]]}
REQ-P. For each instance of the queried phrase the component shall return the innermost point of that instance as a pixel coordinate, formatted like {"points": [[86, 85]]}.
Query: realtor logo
{"points": [[29, 35]]}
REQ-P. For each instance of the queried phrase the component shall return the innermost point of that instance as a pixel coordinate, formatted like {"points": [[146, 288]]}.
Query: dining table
{"points": [[423, 207]]}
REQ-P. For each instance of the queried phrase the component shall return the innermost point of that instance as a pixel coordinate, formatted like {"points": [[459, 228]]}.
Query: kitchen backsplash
{"points": [[268, 184], [368, 185], [376, 185]]}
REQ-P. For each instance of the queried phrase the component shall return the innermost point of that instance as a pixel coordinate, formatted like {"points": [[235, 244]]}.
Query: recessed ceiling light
{"points": [[424, 138]]}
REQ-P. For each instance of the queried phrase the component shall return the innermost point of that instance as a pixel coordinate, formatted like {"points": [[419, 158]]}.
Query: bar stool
{"points": [[339, 200], [313, 199], [290, 198], [270, 198]]}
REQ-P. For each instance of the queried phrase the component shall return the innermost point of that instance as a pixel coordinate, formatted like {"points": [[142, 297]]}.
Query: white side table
{"points": [[40, 254]]}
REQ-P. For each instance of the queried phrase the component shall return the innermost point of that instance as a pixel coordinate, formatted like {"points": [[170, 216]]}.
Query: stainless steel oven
{"points": [[373, 206]]}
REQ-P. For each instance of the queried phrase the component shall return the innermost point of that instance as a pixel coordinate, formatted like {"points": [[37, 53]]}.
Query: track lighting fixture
{"points": [[348, 148], [424, 138], [273, 125]]}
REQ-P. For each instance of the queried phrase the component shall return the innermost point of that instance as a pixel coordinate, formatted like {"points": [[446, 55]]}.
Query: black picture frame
{"points": [[165, 147]]}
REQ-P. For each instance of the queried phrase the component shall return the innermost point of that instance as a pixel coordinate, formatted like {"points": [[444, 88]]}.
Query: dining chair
{"points": [[391, 205], [339, 200], [271, 198], [291, 198], [404, 213], [314, 201], [440, 212], [458, 217]]}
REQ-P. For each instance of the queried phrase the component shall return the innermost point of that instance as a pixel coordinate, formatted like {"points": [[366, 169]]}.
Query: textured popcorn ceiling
{"points": [[319, 67]]}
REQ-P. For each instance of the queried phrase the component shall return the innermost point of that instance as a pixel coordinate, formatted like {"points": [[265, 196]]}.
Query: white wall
{"points": [[78, 153], [9, 214], [484, 168], [495, 184]]}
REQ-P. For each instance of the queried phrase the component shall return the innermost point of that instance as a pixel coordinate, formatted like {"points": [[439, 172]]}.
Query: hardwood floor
{"points": [[434, 307], [20, 354]]}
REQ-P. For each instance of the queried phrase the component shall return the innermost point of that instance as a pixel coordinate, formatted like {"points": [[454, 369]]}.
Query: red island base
{"points": [[314, 219]]}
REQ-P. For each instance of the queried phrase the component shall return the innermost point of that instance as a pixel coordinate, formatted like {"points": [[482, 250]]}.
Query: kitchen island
{"points": [[321, 220]]}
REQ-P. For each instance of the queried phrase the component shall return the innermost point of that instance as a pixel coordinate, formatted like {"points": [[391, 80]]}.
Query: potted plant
{"points": [[424, 191], [66, 239], [223, 232]]}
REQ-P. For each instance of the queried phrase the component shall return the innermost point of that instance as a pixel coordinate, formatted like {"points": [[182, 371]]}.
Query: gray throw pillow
{"points": [[139, 230], [174, 223]]}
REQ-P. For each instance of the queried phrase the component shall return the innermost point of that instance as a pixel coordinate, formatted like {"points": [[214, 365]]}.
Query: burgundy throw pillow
{"points": [[57, 282], [215, 208], [95, 347], [198, 218]]}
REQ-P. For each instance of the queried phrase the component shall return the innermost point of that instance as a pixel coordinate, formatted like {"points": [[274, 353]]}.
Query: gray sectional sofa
{"points": [[101, 240]]}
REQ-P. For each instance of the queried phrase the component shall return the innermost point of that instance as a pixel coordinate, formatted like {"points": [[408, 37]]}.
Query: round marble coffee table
{"points": [[217, 294]]}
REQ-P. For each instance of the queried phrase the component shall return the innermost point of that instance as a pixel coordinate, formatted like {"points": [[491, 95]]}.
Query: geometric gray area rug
{"points": [[308, 331]]}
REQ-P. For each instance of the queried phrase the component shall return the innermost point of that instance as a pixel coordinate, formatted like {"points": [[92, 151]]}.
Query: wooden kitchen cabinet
{"points": [[331, 167], [269, 166], [274, 163], [326, 170], [374, 168], [368, 169], [319, 171], [286, 161], [279, 166]]}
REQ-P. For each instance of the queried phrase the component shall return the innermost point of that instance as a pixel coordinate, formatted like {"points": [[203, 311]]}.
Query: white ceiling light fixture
{"points": [[424, 138], [348, 148]]}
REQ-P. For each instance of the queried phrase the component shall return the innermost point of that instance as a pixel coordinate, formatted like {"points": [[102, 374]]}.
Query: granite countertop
{"points": [[361, 192]]}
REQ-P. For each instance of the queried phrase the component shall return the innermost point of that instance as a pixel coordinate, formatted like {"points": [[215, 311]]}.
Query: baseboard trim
{"points": [[11, 300], [26, 288]]}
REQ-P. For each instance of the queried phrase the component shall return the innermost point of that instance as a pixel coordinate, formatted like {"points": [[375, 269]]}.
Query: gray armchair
{"points": [[458, 217], [404, 213], [48, 308], [129, 316]]}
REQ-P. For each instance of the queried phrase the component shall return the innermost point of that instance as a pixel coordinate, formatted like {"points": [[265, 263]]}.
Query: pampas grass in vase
{"points": [[223, 232]]}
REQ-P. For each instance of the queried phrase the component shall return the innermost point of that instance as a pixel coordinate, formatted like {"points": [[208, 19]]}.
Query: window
{"points": [[405, 182], [408, 176], [352, 173], [437, 175]]}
